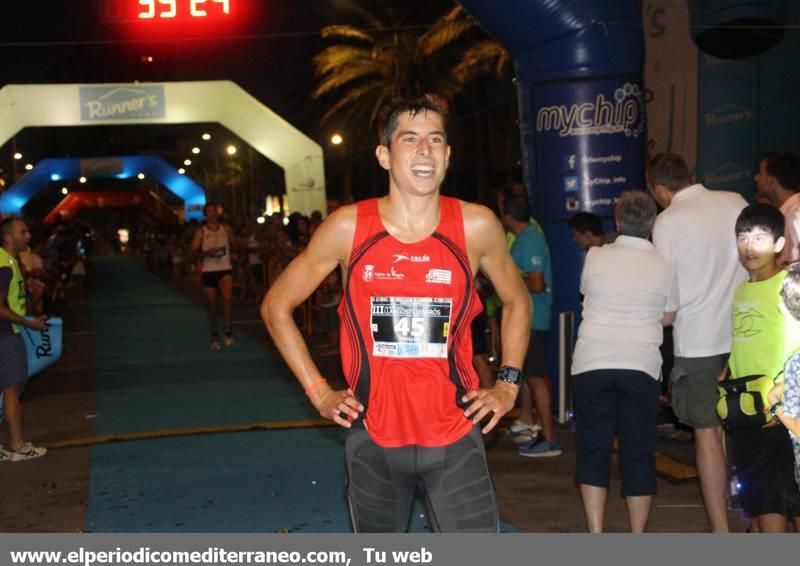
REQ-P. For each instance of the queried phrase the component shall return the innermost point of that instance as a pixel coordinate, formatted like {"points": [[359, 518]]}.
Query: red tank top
{"points": [[406, 336]]}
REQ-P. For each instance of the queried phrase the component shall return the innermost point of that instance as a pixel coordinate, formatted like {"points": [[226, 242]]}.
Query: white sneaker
{"points": [[525, 437], [519, 426], [27, 452]]}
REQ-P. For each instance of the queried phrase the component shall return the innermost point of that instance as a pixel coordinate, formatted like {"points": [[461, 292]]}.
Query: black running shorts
{"points": [[211, 279], [382, 484]]}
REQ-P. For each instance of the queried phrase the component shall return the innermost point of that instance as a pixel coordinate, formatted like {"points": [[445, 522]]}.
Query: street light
{"points": [[28, 167], [195, 150], [231, 150], [18, 156], [140, 176], [64, 191], [82, 179], [336, 139], [181, 170], [187, 162]]}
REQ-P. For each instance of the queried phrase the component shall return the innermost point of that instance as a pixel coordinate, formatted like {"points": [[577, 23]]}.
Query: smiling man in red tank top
{"points": [[413, 404]]}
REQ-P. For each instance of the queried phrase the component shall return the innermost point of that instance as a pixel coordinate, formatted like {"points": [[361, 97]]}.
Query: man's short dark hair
{"points": [[669, 170], [584, 222], [517, 207], [636, 213], [7, 227], [205, 208], [391, 113], [785, 167], [761, 215], [790, 290]]}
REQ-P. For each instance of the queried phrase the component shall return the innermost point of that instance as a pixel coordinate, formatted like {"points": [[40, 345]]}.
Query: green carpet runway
{"points": [[154, 373]]}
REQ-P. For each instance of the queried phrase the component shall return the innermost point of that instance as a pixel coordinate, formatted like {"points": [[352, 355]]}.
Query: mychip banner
{"points": [[589, 144]]}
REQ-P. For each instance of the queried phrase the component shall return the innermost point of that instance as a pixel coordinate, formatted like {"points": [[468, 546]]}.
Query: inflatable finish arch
{"points": [[582, 118], [222, 102], [54, 170], [147, 201]]}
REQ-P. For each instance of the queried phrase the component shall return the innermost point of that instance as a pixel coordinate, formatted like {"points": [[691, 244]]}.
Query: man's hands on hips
{"points": [[498, 400], [341, 406]]}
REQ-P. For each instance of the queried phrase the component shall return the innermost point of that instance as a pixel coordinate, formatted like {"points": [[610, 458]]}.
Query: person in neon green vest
{"points": [[15, 237]]}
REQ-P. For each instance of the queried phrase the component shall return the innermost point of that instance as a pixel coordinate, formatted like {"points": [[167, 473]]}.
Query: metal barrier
{"points": [[566, 343]]}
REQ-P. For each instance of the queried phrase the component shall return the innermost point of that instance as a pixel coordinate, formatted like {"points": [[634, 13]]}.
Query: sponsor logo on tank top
{"points": [[369, 274], [412, 258], [443, 276]]}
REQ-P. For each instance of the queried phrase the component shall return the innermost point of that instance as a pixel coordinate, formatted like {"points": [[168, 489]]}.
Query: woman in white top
{"points": [[628, 295]]}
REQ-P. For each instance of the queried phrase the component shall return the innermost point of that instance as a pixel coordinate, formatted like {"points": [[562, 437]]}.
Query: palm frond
{"points": [[444, 32], [333, 58], [355, 71], [368, 66], [352, 9], [484, 57], [346, 32]]}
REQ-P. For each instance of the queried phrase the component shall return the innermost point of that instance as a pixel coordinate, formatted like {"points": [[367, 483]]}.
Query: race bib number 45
{"points": [[410, 327]]}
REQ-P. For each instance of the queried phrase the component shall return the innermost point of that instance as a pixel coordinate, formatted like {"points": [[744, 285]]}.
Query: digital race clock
{"points": [[118, 11], [177, 9]]}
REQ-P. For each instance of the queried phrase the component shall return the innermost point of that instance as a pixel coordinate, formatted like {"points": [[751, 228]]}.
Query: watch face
{"points": [[509, 375]]}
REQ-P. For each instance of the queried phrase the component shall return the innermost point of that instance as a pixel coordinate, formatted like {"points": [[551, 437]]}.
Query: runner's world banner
{"points": [[132, 102]]}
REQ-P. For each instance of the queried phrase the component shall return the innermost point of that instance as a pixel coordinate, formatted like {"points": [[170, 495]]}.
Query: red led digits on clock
{"points": [[169, 9]]}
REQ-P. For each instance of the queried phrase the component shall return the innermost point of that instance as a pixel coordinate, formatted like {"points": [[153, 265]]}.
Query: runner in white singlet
{"points": [[212, 245]]}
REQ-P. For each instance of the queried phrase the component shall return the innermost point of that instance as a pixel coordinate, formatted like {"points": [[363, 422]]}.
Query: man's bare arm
{"points": [[328, 248], [504, 274], [487, 244]]}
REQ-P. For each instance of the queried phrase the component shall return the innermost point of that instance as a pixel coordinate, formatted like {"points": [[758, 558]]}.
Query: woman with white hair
{"points": [[628, 295]]}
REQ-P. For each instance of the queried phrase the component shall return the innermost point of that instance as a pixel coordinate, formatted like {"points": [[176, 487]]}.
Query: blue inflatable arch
{"points": [[55, 170]]}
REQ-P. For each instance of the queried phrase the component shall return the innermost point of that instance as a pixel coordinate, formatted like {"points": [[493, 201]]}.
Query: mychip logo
{"points": [[623, 114]]}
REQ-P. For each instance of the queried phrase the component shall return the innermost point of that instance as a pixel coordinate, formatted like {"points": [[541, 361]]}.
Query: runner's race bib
{"points": [[410, 327], [219, 252]]}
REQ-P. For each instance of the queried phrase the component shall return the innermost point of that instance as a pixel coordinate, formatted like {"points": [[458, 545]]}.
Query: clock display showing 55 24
{"points": [[169, 9]]}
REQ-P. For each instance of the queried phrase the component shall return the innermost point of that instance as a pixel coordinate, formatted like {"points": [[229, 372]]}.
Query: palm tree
{"points": [[370, 65]]}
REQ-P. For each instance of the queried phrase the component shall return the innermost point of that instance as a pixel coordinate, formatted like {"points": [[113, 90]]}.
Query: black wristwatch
{"points": [[775, 407], [510, 375]]}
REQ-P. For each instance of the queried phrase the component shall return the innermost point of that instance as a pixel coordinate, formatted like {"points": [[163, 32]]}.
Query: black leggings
{"points": [[382, 484]]}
